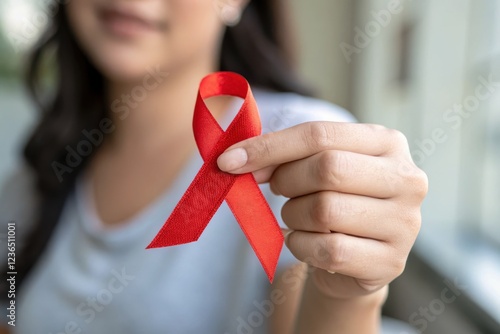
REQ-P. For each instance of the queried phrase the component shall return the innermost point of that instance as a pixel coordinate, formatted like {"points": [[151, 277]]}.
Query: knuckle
{"points": [[319, 135], [376, 127], [336, 247], [422, 183], [409, 221], [285, 212], [330, 168], [322, 210], [413, 220], [259, 150], [399, 266], [397, 138], [276, 181], [417, 182]]}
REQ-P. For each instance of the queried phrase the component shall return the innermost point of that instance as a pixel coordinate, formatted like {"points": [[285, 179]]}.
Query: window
{"points": [[433, 72]]}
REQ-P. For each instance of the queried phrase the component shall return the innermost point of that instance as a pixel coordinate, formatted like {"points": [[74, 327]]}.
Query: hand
{"points": [[355, 197]]}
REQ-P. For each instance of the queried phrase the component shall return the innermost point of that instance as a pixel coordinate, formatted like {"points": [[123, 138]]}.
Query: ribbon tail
{"points": [[257, 222], [197, 206]]}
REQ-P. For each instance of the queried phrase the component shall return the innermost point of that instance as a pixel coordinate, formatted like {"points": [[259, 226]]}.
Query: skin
{"points": [[354, 210], [355, 194]]}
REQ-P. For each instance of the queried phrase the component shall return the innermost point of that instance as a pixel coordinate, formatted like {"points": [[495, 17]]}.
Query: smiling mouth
{"points": [[127, 24]]}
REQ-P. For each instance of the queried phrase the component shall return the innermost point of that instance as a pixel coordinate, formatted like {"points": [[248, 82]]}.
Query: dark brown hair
{"points": [[255, 48]]}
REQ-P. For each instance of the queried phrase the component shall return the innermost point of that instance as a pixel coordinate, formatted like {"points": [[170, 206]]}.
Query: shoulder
{"points": [[283, 110]]}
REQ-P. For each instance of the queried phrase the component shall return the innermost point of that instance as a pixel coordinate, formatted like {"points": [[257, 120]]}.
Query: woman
{"points": [[114, 152]]}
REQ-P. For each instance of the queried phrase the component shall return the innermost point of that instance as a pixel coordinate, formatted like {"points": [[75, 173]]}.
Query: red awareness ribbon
{"points": [[211, 185]]}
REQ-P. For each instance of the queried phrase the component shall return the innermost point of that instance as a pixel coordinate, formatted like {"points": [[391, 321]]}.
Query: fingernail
{"points": [[233, 159], [331, 272]]}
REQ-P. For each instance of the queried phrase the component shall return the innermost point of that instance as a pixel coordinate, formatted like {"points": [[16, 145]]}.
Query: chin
{"points": [[124, 67], [123, 73]]}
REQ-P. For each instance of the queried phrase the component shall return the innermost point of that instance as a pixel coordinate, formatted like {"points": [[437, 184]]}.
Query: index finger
{"points": [[306, 139]]}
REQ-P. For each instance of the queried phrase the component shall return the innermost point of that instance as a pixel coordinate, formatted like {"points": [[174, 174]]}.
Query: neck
{"points": [[158, 109]]}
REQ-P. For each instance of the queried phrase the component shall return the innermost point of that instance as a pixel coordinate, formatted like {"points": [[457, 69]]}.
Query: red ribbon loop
{"points": [[211, 186]]}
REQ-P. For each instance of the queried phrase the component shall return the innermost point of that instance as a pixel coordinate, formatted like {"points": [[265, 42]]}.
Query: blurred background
{"points": [[430, 69]]}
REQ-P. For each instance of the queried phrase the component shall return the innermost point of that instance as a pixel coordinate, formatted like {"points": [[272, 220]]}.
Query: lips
{"points": [[128, 23]]}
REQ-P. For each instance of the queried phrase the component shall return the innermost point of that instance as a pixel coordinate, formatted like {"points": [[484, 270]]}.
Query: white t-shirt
{"points": [[96, 280]]}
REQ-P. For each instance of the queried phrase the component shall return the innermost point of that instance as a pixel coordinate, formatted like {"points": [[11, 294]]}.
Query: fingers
{"points": [[348, 255], [355, 196], [307, 139], [349, 214], [339, 171], [264, 175]]}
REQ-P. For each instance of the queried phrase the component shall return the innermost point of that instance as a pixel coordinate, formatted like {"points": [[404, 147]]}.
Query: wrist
{"points": [[370, 300], [320, 312]]}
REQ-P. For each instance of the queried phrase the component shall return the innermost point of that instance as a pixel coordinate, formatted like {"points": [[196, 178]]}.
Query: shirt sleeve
{"points": [[284, 110]]}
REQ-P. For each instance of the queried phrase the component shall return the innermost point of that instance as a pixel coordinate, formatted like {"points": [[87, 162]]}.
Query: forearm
{"points": [[320, 314]]}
